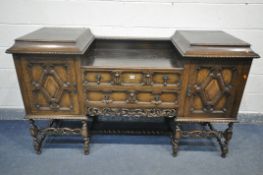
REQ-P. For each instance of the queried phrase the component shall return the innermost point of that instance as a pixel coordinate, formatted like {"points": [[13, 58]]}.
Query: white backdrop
{"points": [[140, 18]]}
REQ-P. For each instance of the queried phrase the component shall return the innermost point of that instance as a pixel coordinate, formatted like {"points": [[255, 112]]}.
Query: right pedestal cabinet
{"points": [[216, 67]]}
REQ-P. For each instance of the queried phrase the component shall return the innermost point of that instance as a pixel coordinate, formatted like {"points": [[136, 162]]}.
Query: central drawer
{"points": [[131, 88], [131, 98], [140, 78]]}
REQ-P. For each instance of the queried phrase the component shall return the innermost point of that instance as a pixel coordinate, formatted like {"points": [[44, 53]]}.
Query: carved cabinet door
{"points": [[215, 90], [49, 85]]}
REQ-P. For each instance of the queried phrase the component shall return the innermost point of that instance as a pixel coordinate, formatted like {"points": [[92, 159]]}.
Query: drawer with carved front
{"points": [[155, 78], [131, 98]]}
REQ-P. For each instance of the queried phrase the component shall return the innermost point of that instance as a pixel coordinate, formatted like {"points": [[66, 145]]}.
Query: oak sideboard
{"points": [[192, 77]]}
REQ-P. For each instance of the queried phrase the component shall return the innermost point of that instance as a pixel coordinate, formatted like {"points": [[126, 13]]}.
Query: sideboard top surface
{"points": [[54, 41], [54, 35], [213, 44], [193, 44]]}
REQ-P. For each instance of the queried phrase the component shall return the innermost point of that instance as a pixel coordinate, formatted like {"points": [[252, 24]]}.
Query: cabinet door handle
{"points": [[75, 88], [179, 83]]}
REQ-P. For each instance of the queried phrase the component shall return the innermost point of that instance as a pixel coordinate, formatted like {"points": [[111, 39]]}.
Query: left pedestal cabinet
{"points": [[48, 69], [51, 85]]}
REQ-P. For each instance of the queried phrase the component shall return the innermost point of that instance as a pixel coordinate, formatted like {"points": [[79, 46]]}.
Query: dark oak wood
{"points": [[195, 77], [211, 44], [54, 41], [213, 87]]}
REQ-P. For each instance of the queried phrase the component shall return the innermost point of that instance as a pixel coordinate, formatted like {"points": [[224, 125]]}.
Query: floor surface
{"points": [[129, 155]]}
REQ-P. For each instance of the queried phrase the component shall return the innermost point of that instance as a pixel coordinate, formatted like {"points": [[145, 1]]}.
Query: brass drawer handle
{"points": [[147, 79], [107, 99], [132, 98], [116, 78], [98, 79], [157, 100], [165, 80]]}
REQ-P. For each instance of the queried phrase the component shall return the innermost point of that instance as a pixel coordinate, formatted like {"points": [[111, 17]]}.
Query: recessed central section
{"points": [[116, 53], [136, 77]]}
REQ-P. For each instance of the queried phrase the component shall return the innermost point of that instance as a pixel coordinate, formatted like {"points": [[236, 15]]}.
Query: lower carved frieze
{"points": [[131, 112]]}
